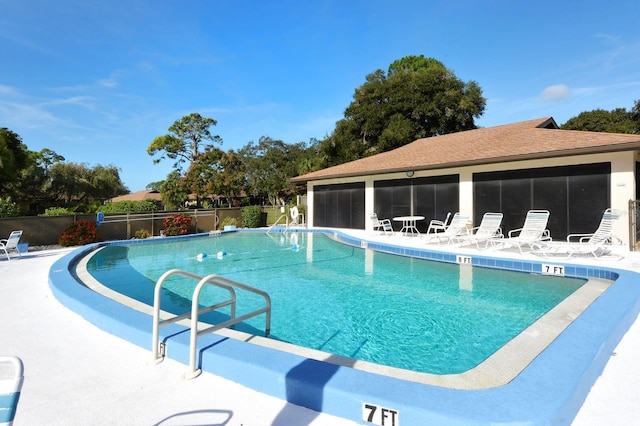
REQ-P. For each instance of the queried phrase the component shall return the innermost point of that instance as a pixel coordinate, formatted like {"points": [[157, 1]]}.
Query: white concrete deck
{"points": [[76, 373]]}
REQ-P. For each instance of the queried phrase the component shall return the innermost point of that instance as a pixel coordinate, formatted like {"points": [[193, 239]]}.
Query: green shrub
{"points": [[8, 208], [79, 233], [129, 207], [251, 216], [57, 211], [176, 224], [141, 234], [229, 220]]}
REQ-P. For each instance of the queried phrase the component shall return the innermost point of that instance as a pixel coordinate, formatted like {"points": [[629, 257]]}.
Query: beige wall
{"points": [[622, 182]]}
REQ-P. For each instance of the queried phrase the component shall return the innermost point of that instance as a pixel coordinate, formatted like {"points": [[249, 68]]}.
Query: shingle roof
{"points": [[540, 138], [138, 196]]}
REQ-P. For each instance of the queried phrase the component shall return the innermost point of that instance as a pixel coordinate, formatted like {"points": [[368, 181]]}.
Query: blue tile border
{"points": [[549, 391]]}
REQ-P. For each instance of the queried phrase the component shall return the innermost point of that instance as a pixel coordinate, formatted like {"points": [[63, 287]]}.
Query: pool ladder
{"points": [[158, 348]]}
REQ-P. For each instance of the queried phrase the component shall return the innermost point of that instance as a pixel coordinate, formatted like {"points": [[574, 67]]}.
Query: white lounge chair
{"points": [[455, 229], [383, 225], [11, 244], [436, 225], [596, 244], [533, 234], [11, 379], [488, 230]]}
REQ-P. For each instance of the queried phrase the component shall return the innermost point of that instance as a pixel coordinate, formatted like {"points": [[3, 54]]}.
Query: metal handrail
{"points": [[221, 282], [286, 218], [158, 348]]}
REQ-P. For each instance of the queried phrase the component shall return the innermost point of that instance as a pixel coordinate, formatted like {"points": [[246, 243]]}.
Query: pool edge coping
{"points": [[561, 403]]}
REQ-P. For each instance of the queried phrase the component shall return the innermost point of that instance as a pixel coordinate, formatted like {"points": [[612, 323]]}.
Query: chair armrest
{"points": [[581, 237], [514, 231], [436, 225]]}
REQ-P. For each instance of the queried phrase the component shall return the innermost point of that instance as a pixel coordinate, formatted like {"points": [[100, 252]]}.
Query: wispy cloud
{"points": [[556, 92]]}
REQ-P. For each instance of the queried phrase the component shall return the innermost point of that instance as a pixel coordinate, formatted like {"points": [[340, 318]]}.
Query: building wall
{"points": [[623, 181]]}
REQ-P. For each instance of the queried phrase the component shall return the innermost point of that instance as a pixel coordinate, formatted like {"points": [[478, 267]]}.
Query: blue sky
{"points": [[98, 81]]}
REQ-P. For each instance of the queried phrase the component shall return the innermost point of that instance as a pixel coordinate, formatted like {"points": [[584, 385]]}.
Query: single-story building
{"points": [[512, 168]]}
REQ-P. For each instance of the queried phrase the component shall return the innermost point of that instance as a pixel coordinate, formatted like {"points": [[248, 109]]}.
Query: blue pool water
{"points": [[403, 312]]}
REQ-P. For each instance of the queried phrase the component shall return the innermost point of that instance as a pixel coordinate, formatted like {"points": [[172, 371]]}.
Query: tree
{"points": [[418, 97], [155, 186], [269, 165], [185, 143], [184, 140], [228, 177], [173, 191], [618, 120], [13, 158]]}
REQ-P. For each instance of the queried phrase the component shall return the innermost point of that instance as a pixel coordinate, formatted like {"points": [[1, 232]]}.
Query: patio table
{"points": [[409, 224]]}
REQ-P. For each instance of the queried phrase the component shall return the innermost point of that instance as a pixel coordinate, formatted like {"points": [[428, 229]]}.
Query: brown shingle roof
{"points": [[138, 196], [540, 138]]}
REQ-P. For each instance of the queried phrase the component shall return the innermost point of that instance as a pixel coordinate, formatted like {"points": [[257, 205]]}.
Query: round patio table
{"points": [[409, 224]]}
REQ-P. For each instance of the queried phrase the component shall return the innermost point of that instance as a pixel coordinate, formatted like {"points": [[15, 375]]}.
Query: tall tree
{"points": [[416, 98], [618, 120], [187, 140], [269, 165], [14, 157]]}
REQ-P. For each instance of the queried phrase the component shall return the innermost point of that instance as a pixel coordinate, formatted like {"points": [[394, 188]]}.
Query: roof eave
{"points": [[483, 161]]}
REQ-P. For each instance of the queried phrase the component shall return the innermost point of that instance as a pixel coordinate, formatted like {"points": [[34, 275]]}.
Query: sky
{"points": [[97, 81]]}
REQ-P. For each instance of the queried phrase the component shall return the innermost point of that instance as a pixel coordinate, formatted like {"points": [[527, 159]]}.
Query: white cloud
{"points": [[556, 93]]}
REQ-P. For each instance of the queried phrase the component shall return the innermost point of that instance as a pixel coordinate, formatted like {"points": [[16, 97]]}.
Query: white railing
{"points": [[159, 348]]}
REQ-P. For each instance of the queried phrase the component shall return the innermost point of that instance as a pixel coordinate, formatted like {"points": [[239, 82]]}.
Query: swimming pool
{"points": [[407, 313], [549, 390]]}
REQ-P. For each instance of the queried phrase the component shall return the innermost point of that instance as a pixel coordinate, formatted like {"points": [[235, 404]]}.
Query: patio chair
{"points": [[533, 234], [596, 244], [11, 244], [488, 230], [436, 225], [11, 379], [383, 225], [456, 228]]}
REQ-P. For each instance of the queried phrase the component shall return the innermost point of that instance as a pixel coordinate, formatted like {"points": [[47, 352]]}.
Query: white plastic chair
{"points": [[11, 379], [596, 244], [534, 232], [454, 230], [436, 225], [383, 225], [11, 244], [489, 229]]}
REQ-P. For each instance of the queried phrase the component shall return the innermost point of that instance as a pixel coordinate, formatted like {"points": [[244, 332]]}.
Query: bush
{"points": [[141, 234], [129, 207], [251, 216], [8, 208], [229, 220], [57, 211], [79, 233], [177, 224]]}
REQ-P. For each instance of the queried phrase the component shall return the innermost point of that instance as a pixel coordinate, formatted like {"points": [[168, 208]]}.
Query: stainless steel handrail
{"points": [[158, 349]]}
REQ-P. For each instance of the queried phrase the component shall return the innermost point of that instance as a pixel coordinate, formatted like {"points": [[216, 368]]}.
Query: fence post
{"points": [[633, 219], [128, 226]]}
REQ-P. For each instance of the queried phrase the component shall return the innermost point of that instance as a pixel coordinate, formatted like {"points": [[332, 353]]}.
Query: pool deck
{"points": [[75, 373]]}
